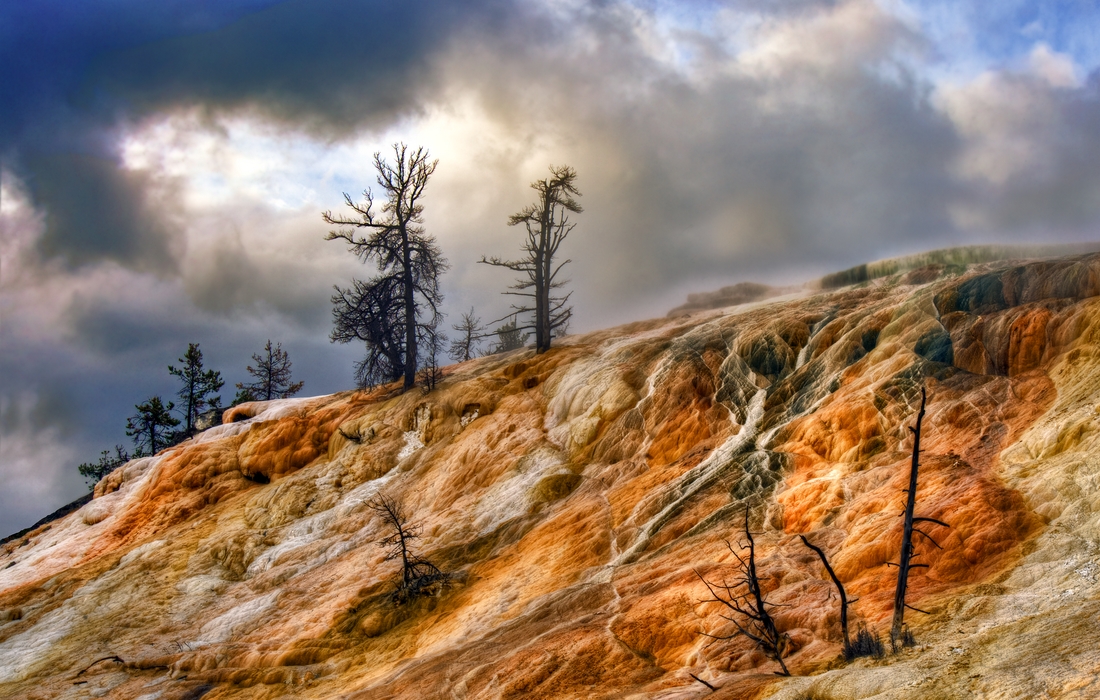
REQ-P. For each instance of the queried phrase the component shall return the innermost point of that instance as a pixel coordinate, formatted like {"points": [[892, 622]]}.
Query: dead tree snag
{"points": [[839, 590], [746, 598], [899, 635], [419, 577]]}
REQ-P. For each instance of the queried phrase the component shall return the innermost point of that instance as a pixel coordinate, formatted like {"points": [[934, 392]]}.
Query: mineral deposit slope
{"points": [[578, 497]]}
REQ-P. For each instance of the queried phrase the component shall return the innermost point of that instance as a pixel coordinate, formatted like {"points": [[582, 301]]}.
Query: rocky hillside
{"points": [[576, 498]]}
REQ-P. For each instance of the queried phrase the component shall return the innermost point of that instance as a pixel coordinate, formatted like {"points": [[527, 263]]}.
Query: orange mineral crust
{"points": [[581, 502]]}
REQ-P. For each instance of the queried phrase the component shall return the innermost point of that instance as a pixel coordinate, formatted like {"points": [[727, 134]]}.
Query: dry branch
{"points": [[746, 598]]}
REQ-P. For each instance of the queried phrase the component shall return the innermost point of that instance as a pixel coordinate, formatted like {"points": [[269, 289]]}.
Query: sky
{"points": [[164, 167]]}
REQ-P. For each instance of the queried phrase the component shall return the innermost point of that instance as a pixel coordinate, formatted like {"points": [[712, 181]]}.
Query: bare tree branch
{"points": [[749, 604], [392, 311], [547, 225]]}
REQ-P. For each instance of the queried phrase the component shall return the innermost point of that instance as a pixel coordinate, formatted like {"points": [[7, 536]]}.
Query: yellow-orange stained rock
{"points": [[582, 497]]}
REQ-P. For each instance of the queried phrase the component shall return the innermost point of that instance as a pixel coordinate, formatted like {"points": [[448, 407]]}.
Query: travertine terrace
{"points": [[578, 495]]}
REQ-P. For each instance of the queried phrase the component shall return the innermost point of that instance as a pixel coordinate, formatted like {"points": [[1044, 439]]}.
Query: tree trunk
{"points": [[410, 309], [542, 275], [907, 533], [190, 401], [839, 589]]}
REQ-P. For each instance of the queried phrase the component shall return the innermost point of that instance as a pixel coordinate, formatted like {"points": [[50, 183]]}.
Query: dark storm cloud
{"points": [[50, 408], [96, 211], [120, 329], [46, 47], [75, 73], [334, 65]]}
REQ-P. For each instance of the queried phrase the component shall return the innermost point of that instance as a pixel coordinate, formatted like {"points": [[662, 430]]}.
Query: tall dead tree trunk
{"points": [[905, 561], [547, 223]]}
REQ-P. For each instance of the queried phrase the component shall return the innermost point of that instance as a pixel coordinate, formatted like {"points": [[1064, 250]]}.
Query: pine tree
{"points": [[272, 373], [199, 387], [150, 427], [509, 337], [93, 472]]}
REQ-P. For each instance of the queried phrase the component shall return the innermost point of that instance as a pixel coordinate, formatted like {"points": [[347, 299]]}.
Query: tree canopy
{"points": [[395, 312], [547, 224], [151, 427], [93, 472], [199, 387], [272, 376]]}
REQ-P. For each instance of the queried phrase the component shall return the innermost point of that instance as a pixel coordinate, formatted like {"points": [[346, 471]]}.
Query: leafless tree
{"points": [[394, 311], [547, 224], [899, 634], [470, 334], [272, 373], [866, 642], [744, 599], [430, 374], [419, 577]]}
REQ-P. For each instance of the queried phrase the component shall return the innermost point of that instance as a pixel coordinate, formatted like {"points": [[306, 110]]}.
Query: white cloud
{"points": [[1006, 122], [820, 43], [1058, 69], [1012, 123]]}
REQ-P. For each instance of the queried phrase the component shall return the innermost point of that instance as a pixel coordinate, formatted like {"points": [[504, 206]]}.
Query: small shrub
{"points": [[866, 643], [419, 577]]}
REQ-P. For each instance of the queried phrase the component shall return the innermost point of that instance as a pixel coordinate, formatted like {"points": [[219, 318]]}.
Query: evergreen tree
{"points": [[243, 396], [272, 373], [93, 472], [509, 337], [199, 388], [150, 427]]}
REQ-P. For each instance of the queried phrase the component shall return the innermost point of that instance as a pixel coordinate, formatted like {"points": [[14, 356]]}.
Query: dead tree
{"points": [[392, 311], [431, 374], [470, 334], [840, 590], [898, 633], [419, 577], [745, 598], [547, 223]]}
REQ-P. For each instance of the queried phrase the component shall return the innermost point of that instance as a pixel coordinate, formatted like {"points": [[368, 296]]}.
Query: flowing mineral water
{"points": [[701, 476]]}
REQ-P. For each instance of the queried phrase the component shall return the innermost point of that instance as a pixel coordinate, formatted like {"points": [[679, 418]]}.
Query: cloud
{"points": [[96, 211], [711, 167], [34, 464], [165, 173], [330, 65], [1029, 148], [80, 346]]}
